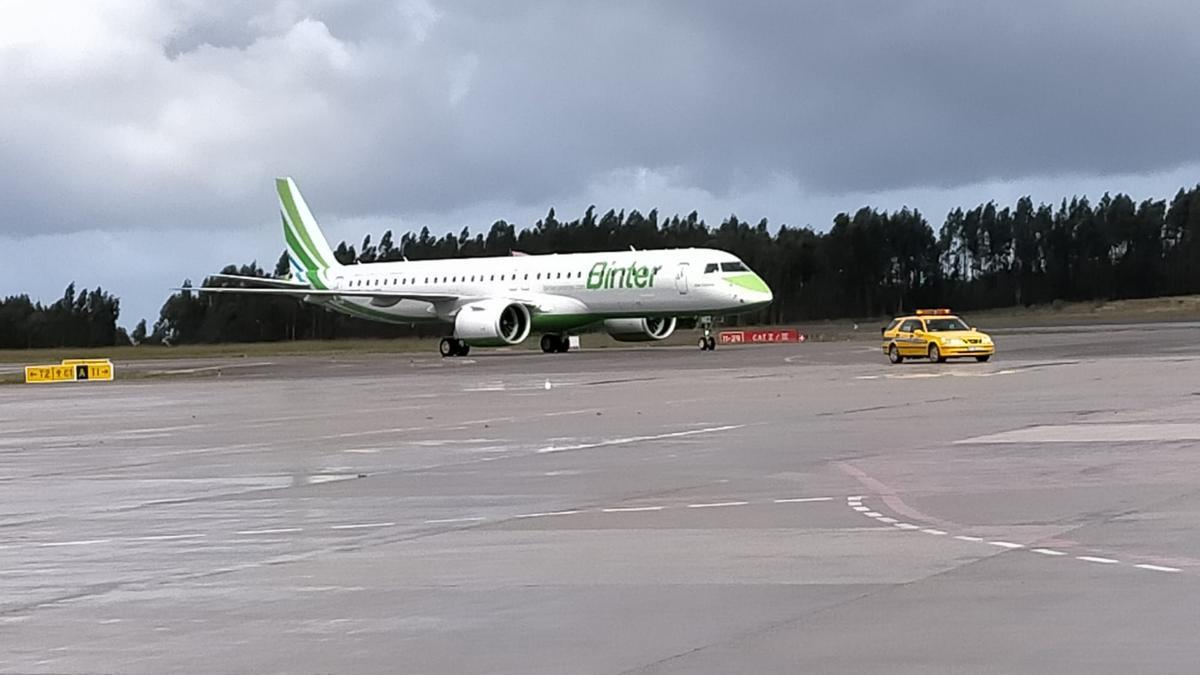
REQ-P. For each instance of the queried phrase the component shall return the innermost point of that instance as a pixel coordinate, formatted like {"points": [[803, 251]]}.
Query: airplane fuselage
{"points": [[573, 290]]}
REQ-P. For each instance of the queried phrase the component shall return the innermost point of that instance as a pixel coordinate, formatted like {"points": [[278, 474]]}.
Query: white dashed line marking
{"points": [[277, 530], [81, 542], [455, 520], [852, 502], [359, 526], [855, 498], [1048, 551], [631, 509], [802, 500], [547, 513], [639, 439], [1094, 559], [168, 537], [1157, 568], [716, 504]]}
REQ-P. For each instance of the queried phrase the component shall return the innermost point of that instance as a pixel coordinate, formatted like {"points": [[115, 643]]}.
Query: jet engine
{"points": [[492, 323], [640, 330]]}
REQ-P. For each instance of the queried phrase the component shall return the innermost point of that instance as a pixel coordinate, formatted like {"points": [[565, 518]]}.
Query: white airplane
{"points": [[635, 296]]}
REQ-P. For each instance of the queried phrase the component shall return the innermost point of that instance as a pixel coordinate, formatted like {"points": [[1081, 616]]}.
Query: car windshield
{"points": [[952, 323]]}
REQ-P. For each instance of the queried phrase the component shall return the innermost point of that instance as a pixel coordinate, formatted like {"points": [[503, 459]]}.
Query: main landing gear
{"points": [[707, 343], [453, 347], [555, 344]]}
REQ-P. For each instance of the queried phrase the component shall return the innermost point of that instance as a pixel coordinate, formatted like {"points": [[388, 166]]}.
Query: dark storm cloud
{"points": [[181, 115]]}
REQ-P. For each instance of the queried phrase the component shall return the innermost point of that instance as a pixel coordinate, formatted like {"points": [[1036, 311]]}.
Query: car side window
{"points": [[909, 326]]}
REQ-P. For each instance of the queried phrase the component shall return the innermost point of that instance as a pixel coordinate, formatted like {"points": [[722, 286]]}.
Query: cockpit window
{"points": [[734, 267], [710, 268]]}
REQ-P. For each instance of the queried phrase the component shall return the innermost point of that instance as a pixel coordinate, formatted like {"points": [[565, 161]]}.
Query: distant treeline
{"points": [[86, 319], [870, 263]]}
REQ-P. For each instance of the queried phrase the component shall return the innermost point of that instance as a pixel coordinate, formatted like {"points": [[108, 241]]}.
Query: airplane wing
{"points": [[261, 282], [301, 292]]}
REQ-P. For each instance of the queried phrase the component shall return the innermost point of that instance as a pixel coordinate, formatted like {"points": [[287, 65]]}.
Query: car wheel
{"points": [[935, 354], [894, 355], [984, 358]]}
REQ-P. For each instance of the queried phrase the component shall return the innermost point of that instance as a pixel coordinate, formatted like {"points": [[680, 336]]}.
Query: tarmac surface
{"points": [[767, 509]]}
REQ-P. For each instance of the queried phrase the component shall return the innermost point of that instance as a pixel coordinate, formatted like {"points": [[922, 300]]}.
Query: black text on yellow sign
{"points": [[76, 370]]}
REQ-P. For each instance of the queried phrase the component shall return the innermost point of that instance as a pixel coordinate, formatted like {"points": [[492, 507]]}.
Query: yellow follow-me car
{"points": [[937, 335]]}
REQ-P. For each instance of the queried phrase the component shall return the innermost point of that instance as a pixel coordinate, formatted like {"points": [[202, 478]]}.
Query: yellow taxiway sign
{"points": [[71, 370]]}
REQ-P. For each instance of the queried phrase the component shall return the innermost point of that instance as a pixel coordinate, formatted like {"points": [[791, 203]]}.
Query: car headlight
{"points": [[953, 342]]}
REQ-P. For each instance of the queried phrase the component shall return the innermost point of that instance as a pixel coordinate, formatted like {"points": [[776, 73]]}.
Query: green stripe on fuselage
{"points": [[557, 323]]}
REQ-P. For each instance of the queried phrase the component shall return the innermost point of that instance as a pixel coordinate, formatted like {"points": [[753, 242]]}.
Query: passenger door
{"points": [[681, 279], [906, 339]]}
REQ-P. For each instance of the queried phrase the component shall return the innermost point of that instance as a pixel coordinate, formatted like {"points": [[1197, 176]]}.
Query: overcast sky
{"points": [[138, 139]]}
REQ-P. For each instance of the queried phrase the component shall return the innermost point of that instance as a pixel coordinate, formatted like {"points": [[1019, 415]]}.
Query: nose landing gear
{"points": [[707, 343]]}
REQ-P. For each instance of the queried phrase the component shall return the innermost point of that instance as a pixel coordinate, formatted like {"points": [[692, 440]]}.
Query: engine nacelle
{"points": [[492, 323], [640, 330]]}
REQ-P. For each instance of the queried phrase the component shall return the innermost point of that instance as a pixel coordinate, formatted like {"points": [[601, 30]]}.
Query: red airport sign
{"points": [[759, 336]]}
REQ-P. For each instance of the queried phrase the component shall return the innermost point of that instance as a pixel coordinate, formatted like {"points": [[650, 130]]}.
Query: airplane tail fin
{"points": [[307, 248]]}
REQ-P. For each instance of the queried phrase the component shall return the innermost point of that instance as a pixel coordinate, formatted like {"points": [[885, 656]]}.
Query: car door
{"points": [[906, 339]]}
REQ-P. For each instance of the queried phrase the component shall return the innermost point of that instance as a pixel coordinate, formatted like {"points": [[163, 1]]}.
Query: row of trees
{"points": [[84, 319], [870, 263]]}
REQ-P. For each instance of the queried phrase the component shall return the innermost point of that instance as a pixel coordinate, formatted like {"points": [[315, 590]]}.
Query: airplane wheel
{"points": [[703, 344], [448, 347], [463, 348], [712, 343], [564, 344], [550, 343]]}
